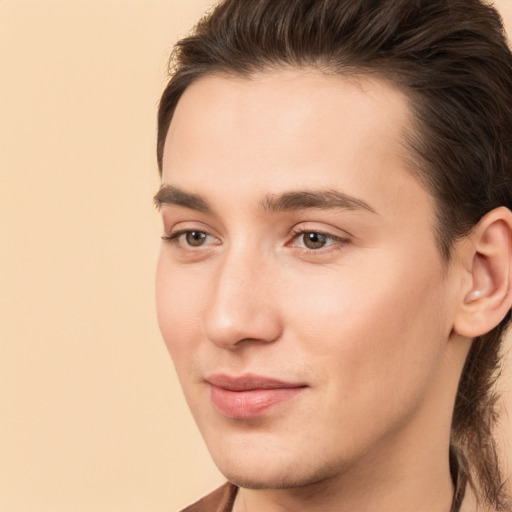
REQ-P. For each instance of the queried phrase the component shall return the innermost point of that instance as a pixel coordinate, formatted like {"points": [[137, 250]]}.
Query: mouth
{"points": [[250, 396]]}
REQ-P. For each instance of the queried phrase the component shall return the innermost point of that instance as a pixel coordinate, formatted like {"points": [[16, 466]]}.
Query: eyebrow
{"points": [[169, 194], [286, 202], [315, 199]]}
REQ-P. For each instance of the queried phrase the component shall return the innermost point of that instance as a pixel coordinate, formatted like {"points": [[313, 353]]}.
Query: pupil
{"points": [[314, 240], [195, 238]]}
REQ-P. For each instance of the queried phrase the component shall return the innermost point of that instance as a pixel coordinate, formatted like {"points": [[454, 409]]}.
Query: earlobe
{"points": [[488, 295]]}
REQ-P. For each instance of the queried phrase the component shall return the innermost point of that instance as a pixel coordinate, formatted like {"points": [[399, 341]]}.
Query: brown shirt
{"points": [[222, 499]]}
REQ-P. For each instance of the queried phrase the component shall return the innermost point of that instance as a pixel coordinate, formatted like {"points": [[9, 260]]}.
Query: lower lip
{"points": [[251, 403]]}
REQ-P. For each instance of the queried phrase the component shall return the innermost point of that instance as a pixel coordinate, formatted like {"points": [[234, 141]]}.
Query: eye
{"points": [[190, 238], [313, 240], [316, 240], [195, 238]]}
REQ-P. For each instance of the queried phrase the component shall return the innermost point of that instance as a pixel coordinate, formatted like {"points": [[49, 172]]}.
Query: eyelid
{"points": [[181, 228], [338, 240], [173, 226], [330, 231], [176, 234]]}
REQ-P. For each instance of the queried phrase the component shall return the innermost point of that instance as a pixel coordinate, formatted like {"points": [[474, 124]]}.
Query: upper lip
{"points": [[249, 382]]}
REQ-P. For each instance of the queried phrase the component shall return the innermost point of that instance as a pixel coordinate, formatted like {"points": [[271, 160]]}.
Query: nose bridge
{"points": [[242, 305]]}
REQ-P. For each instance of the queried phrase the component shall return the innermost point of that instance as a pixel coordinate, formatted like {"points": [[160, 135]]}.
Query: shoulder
{"points": [[220, 500]]}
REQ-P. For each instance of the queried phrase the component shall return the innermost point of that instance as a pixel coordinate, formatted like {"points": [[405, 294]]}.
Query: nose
{"points": [[243, 305]]}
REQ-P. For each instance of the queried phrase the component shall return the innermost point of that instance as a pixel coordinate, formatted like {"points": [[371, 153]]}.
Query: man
{"points": [[335, 274]]}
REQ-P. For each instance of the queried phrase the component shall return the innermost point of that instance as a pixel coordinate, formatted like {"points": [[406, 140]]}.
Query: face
{"points": [[300, 291]]}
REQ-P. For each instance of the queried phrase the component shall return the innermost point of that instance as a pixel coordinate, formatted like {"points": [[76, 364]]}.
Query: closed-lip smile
{"points": [[249, 396]]}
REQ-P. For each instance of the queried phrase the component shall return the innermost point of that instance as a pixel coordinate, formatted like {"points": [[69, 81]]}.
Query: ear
{"points": [[487, 294]]}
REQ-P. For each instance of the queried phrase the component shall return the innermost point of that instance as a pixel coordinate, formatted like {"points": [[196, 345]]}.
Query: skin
{"points": [[365, 323]]}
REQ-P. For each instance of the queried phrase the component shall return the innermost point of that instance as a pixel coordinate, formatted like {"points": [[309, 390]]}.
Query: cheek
{"points": [[380, 324], [178, 304], [376, 345]]}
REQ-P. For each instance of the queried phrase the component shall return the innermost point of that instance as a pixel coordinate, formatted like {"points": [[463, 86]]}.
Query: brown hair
{"points": [[451, 59]]}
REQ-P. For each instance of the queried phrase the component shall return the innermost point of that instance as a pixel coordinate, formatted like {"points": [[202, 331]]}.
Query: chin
{"points": [[279, 474]]}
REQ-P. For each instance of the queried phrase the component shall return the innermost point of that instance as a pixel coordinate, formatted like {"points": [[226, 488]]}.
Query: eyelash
{"points": [[173, 237], [337, 242]]}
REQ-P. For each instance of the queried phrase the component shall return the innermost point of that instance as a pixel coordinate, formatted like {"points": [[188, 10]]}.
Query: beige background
{"points": [[91, 417]]}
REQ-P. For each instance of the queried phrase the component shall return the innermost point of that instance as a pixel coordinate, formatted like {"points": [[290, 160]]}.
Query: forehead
{"points": [[296, 102], [291, 129]]}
